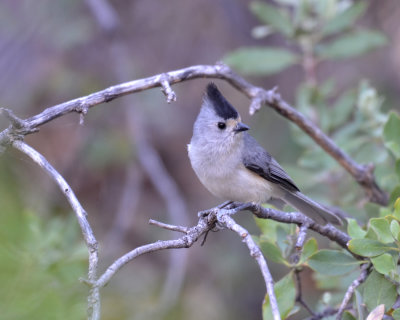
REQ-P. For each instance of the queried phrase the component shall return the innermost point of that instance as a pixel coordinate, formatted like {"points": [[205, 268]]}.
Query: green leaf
{"points": [[368, 247], [396, 212], [397, 167], [394, 196], [285, 293], [396, 314], [273, 17], [344, 19], [268, 229], [394, 147], [342, 108], [309, 249], [348, 316], [378, 290], [354, 230], [332, 262], [382, 229], [384, 263], [395, 229], [352, 45], [271, 251], [260, 61], [391, 134]]}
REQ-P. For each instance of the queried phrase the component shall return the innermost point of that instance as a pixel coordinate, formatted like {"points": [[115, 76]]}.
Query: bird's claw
{"points": [[205, 213]]}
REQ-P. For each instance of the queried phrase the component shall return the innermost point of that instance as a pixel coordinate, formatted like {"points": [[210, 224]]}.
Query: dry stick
{"points": [[186, 241], [255, 252], [192, 234], [169, 226], [301, 238], [365, 270], [363, 174], [298, 218], [91, 242]]}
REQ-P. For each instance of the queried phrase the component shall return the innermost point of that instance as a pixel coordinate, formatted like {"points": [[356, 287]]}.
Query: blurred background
{"points": [[128, 162]]}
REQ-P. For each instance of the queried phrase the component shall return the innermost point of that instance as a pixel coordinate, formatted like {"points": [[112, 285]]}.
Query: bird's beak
{"points": [[241, 127]]}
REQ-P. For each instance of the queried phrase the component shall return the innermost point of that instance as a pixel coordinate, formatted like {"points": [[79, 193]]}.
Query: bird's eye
{"points": [[221, 125]]}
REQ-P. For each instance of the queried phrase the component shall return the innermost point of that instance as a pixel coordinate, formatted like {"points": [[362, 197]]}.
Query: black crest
{"points": [[221, 106]]}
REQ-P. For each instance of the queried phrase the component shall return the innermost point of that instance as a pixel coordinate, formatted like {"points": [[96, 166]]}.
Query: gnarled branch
{"points": [[363, 174]]}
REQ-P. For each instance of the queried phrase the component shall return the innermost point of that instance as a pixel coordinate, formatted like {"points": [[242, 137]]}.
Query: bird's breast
{"points": [[225, 176]]}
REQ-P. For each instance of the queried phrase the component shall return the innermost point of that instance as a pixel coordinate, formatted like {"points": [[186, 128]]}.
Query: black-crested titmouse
{"points": [[232, 165]]}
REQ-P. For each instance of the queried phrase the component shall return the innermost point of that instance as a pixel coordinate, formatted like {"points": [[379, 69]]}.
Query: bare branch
{"points": [[301, 238], [81, 215], [363, 174], [15, 121], [206, 223], [328, 230], [365, 270], [168, 226], [255, 105], [225, 218], [166, 88], [186, 241]]}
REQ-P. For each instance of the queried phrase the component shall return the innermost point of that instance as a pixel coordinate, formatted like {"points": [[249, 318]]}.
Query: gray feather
{"points": [[256, 159], [311, 208]]}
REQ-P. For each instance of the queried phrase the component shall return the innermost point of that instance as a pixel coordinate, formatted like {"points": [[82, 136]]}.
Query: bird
{"points": [[232, 165]]}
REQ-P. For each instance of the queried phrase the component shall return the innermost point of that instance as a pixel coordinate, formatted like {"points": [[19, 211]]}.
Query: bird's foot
{"points": [[205, 213], [225, 204]]}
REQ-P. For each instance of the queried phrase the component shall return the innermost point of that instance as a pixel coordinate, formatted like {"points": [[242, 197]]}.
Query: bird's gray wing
{"points": [[256, 159]]}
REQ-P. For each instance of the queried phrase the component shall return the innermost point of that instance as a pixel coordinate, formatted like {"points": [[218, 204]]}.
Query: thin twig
{"points": [[363, 174], [255, 252], [186, 241], [301, 238], [166, 88], [365, 270], [90, 240], [168, 226]]}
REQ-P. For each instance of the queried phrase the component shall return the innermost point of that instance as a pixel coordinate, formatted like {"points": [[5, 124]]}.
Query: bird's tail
{"points": [[311, 208]]}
